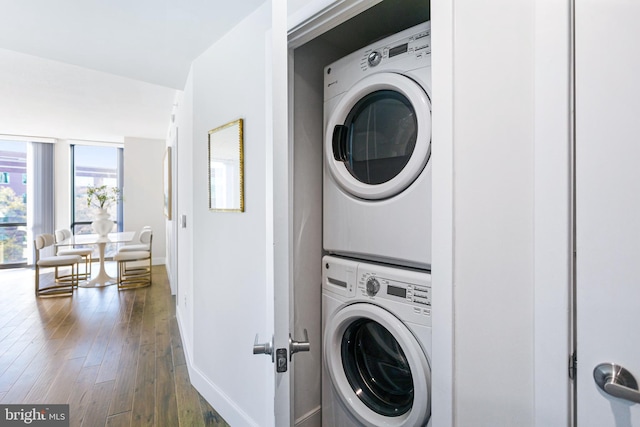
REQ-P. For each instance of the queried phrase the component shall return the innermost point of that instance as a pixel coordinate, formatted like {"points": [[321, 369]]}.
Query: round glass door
{"points": [[377, 367], [380, 135], [378, 138]]}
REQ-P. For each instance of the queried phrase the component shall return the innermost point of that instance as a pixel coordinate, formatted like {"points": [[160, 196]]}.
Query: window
{"points": [[93, 166], [13, 203]]}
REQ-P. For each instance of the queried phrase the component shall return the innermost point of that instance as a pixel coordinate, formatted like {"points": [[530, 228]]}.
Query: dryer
{"points": [[377, 150], [377, 345]]}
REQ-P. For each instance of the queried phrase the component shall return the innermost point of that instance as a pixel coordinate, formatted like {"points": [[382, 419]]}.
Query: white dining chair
{"points": [[144, 239], [85, 253], [134, 267], [62, 285]]}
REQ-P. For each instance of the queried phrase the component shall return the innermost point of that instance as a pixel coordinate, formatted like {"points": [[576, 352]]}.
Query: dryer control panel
{"points": [[404, 52], [417, 45]]}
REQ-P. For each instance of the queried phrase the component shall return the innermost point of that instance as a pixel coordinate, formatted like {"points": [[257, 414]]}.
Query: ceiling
{"points": [[102, 70]]}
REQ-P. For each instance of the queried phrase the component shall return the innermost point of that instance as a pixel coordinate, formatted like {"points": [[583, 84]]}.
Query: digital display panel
{"points": [[396, 291], [398, 50]]}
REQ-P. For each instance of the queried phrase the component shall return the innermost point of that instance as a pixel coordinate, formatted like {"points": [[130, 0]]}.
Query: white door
{"points": [[283, 406], [607, 207], [279, 199]]}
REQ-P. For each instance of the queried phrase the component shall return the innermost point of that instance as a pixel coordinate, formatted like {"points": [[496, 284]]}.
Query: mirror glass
{"points": [[226, 169]]}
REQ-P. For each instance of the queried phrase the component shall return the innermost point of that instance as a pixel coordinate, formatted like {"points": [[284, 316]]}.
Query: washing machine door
{"points": [[378, 138], [377, 367]]}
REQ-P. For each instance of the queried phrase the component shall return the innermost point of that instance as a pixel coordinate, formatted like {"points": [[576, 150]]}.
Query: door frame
{"points": [[319, 16], [553, 213], [443, 236]]}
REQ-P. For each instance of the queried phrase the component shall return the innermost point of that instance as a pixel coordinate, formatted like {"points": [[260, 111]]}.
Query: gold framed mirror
{"points": [[166, 164], [226, 168]]}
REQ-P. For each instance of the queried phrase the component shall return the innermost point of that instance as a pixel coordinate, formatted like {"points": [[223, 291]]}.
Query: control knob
{"points": [[374, 58], [373, 286]]}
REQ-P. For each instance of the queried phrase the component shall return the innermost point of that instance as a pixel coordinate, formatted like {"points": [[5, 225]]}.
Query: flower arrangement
{"points": [[102, 196]]}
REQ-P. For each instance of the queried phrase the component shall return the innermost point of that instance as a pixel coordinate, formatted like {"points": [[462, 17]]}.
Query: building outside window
{"points": [[13, 203], [93, 166]]}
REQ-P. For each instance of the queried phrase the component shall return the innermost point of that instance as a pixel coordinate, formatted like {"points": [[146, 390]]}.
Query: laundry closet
{"points": [[306, 105]]}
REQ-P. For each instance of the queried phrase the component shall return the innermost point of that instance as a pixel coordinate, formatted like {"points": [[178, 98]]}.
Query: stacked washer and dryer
{"points": [[376, 284]]}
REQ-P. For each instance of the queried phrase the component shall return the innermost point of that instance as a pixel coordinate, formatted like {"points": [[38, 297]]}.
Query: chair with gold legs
{"points": [[134, 267], [62, 285], [85, 253], [144, 238]]}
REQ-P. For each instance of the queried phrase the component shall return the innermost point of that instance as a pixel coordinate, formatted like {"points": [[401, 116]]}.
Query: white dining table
{"points": [[102, 278]]}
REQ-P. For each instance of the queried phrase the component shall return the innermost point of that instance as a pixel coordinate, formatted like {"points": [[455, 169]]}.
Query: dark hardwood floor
{"points": [[114, 356]]}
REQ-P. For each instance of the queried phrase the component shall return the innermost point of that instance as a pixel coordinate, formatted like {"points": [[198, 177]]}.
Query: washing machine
{"points": [[376, 345], [377, 151]]}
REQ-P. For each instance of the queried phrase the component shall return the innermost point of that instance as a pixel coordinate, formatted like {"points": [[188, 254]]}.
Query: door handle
{"points": [[339, 143], [263, 348], [615, 380], [298, 346]]}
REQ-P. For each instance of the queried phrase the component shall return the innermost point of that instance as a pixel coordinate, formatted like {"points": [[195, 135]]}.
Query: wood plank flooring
{"points": [[114, 356]]}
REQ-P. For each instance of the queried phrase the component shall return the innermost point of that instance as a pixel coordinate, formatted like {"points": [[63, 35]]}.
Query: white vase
{"points": [[103, 225]]}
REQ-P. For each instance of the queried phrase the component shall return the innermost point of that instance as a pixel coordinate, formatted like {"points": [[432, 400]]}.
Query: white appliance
{"points": [[377, 168], [377, 345]]}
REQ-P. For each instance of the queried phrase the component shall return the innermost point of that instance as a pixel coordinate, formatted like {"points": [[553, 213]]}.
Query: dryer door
{"points": [[378, 138], [377, 367]]}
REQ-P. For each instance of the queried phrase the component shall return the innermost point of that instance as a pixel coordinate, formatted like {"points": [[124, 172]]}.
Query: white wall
{"points": [[493, 212], [143, 190], [294, 6], [62, 184], [184, 206], [229, 249]]}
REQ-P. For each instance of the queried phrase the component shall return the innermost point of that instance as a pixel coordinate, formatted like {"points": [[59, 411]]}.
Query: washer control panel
{"points": [[380, 285], [409, 290]]}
